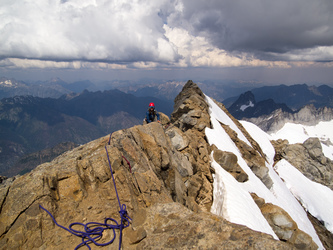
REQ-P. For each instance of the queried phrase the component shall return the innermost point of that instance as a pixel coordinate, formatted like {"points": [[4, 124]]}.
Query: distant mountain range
{"points": [[247, 107], [165, 90], [170, 89], [28, 162], [41, 115], [278, 105], [53, 88], [295, 96], [29, 124]]}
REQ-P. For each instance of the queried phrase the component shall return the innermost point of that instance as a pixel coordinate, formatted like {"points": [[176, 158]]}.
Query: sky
{"points": [[291, 190], [256, 41]]}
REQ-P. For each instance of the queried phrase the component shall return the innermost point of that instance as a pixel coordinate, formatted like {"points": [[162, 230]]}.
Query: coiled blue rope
{"points": [[93, 231]]}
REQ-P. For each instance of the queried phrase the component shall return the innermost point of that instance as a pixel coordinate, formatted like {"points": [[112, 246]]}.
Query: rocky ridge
{"points": [[167, 189]]}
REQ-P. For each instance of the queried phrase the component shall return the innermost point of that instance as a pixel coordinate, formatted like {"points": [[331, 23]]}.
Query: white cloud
{"points": [[34, 63], [320, 53], [84, 30], [178, 33]]}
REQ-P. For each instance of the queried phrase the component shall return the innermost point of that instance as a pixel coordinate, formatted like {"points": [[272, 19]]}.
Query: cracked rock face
{"points": [[307, 158]]}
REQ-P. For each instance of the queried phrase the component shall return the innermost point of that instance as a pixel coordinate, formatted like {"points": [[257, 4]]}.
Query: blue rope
{"points": [[93, 231]]}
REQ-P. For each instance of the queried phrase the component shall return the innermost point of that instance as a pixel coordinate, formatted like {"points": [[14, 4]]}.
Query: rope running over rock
{"points": [[93, 231]]}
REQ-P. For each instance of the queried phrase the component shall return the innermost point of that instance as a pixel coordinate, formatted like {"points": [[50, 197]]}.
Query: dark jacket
{"points": [[152, 116]]}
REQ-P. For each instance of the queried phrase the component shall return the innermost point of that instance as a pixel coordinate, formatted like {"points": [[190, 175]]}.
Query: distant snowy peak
{"points": [[246, 106], [294, 96], [6, 83], [9, 83], [243, 102]]}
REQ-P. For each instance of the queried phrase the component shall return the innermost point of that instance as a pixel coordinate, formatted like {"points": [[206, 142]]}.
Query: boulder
{"points": [[307, 158], [286, 228], [228, 161], [178, 138], [315, 150], [165, 120]]}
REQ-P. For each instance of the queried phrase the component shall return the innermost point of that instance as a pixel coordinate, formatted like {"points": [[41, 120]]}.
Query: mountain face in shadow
{"points": [[247, 107], [294, 96]]}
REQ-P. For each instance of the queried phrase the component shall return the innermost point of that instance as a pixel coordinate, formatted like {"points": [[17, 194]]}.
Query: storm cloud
{"points": [[268, 29], [177, 33]]}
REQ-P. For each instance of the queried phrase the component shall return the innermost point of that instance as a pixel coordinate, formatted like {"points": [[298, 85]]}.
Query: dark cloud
{"points": [[261, 27]]}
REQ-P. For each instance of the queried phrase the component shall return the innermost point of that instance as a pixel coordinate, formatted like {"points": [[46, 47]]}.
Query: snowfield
{"points": [[232, 199]]}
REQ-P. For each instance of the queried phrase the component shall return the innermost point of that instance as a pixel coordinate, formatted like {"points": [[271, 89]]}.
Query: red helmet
{"points": [[151, 105]]}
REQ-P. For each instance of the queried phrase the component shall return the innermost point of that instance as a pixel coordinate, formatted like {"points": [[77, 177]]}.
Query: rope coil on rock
{"points": [[93, 231]]}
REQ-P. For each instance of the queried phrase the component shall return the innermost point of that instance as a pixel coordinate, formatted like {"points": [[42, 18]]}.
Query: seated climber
{"points": [[152, 115]]}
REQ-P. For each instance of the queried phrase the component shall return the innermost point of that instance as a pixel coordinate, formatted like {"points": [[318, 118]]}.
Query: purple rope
{"points": [[109, 139], [93, 231]]}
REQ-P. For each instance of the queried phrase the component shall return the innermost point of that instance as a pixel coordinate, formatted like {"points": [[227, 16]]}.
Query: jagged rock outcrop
{"points": [[326, 236], [172, 226], [308, 158], [307, 115], [166, 187], [189, 119]]}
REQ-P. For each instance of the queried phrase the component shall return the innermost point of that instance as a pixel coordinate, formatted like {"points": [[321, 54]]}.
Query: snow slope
{"points": [[232, 199]]}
